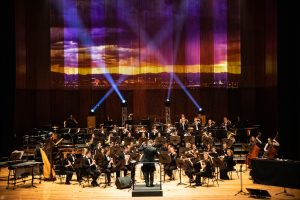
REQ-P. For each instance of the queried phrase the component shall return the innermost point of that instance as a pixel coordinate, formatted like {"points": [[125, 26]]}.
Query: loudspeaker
{"points": [[123, 182], [256, 193]]}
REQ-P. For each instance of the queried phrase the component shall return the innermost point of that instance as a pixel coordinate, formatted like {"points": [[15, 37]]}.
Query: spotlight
{"points": [[92, 112], [167, 103], [200, 110], [124, 103]]}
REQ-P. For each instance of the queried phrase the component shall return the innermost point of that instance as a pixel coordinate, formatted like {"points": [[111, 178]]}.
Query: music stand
{"points": [[160, 140], [189, 139], [217, 163], [180, 164], [141, 140], [175, 140], [164, 159]]}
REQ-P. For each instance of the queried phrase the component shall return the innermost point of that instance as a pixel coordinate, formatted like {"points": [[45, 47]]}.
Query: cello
{"points": [[271, 151], [253, 153]]}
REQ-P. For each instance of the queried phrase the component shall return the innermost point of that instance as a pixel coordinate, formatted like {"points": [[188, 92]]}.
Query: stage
{"points": [[56, 190]]}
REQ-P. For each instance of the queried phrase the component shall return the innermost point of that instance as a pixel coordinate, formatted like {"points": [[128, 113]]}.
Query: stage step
{"points": [[143, 191]]}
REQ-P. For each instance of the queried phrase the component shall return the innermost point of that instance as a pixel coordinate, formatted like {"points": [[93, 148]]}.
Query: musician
{"points": [[210, 125], [89, 167], [71, 122], [183, 123], [206, 169], [65, 167], [169, 129], [98, 153], [72, 159], [107, 165], [119, 162], [197, 124], [172, 165], [148, 156], [226, 124], [228, 164], [268, 146], [153, 134]]}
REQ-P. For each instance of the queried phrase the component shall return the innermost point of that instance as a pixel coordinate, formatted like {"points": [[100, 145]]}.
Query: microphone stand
{"points": [[241, 177]]}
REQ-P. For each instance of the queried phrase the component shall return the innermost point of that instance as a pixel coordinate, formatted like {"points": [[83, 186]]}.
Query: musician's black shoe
{"points": [[68, 183], [151, 185], [197, 184], [95, 184], [147, 185]]}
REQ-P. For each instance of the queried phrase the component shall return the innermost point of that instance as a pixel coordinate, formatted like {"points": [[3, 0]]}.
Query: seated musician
{"points": [[65, 167], [206, 169], [107, 165], [119, 162], [228, 164], [98, 153], [226, 124], [172, 165], [183, 123], [89, 167], [71, 122], [269, 144], [127, 166], [72, 159]]}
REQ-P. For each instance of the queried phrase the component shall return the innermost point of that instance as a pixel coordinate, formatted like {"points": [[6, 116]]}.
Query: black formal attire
{"points": [[148, 168], [107, 167], [61, 167], [90, 170], [74, 161], [207, 172], [171, 166], [228, 165]]}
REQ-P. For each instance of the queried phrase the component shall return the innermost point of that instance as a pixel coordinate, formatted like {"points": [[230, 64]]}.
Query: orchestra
{"points": [[111, 150]]}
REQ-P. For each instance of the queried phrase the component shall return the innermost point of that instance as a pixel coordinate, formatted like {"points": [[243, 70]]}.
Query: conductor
{"points": [[148, 156]]}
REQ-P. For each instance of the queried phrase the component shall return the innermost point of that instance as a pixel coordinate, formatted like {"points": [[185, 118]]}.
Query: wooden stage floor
{"points": [[56, 190]]}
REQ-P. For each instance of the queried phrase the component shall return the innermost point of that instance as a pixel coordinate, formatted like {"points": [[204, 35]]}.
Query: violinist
{"points": [[206, 169]]}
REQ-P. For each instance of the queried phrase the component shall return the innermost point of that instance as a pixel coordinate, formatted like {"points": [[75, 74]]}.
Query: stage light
{"points": [[200, 109], [92, 110], [124, 103], [167, 103]]}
